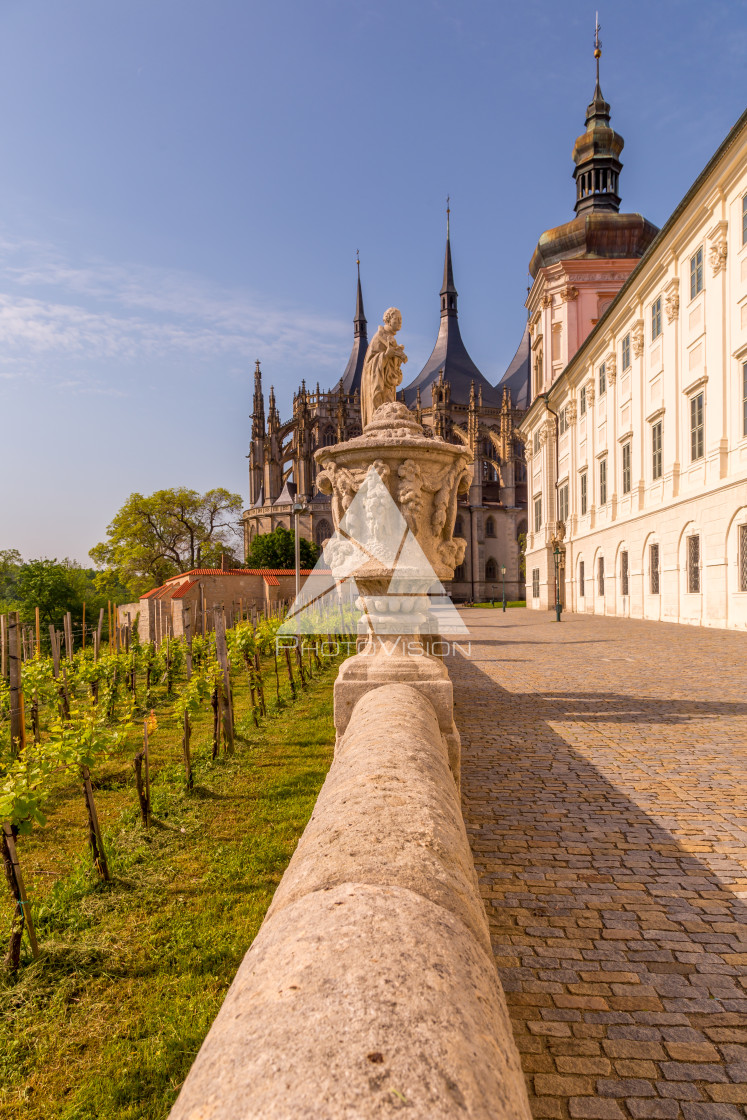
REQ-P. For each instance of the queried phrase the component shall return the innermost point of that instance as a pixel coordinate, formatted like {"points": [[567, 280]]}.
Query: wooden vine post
{"points": [[187, 755], [17, 721], [3, 647], [94, 828], [221, 650], [22, 915], [188, 639]]}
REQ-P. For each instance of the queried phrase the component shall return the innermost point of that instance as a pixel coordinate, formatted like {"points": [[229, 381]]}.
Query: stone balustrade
{"points": [[371, 985]]}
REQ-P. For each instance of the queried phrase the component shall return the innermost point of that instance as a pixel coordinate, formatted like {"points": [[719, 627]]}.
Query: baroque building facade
{"points": [[637, 442]]}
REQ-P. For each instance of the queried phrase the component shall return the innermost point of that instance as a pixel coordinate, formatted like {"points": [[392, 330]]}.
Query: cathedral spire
{"points": [[359, 322], [596, 152], [448, 291], [351, 378], [258, 409]]}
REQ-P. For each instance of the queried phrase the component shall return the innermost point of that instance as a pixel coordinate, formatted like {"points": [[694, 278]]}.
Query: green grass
{"points": [[107, 1022], [499, 604]]}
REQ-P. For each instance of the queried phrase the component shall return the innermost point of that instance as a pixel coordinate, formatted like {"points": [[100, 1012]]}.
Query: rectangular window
{"points": [[562, 422], [656, 449], [582, 400], [656, 318], [696, 273], [696, 427], [693, 565], [653, 560], [537, 514], [743, 557], [602, 481], [600, 575], [581, 574], [584, 493], [744, 398], [624, 577], [535, 583], [602, 379], [625, 352], [627, 468], [536, 442], [563, 502]]}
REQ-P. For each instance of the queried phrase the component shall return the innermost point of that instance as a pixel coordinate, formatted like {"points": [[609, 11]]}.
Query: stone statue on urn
{"points": [[382, 370]]}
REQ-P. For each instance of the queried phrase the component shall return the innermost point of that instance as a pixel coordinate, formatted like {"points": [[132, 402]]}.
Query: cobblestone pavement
{"points": [[605, 794]]}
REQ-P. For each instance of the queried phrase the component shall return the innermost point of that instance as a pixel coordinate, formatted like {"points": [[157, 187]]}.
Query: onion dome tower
{"points": [[351, 378], [598, 230], [450, 362]]}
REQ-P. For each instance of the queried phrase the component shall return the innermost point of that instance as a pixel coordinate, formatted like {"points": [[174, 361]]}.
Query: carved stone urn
{"points": [[394, 493]]}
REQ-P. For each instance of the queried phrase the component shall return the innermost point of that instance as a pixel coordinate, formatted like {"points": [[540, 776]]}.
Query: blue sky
{"points": [[184, 185]]}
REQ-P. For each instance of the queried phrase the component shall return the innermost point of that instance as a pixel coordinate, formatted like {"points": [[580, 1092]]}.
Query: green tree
{"points": [[522, 539], [277, 550], [155, 537], [10, 567]]}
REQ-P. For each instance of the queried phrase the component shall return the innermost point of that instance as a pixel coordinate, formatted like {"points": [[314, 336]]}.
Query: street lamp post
{"points": [[503, 573], [298, 508]]}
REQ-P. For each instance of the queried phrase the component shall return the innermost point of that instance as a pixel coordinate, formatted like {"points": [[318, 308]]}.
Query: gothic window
{"points": [[490, 527], [330, 437], [322, 531], [355, 431], [491, 571]]}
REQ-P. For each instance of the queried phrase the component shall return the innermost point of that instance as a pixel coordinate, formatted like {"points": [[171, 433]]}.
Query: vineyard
{"points": [[164, 737]]}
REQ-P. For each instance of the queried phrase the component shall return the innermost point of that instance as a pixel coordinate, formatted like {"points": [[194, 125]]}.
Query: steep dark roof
{"points": [[351, 378], [450, 354], [518, 377]]}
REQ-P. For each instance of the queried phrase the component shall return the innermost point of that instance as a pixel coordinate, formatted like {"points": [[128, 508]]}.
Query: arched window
{"points": [[490, 527], [322, 531], [330, 437], [458, 528], [491, 569]]}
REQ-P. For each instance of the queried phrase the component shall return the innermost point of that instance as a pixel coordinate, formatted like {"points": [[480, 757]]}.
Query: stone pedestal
{"points": [[394, 493]]}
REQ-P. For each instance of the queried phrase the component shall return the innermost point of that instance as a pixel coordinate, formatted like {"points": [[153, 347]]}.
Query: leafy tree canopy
{"points": [[171, 531], [55, 587], [277, 550]]}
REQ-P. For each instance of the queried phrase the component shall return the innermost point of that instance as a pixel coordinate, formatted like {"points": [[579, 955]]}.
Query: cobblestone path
{"points": [[605, 794]]}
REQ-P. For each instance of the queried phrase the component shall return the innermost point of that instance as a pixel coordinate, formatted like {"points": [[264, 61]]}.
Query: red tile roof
{"points": [[178, 586], [184, 588], [271, 580]]}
